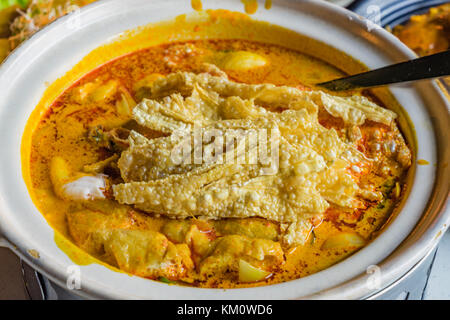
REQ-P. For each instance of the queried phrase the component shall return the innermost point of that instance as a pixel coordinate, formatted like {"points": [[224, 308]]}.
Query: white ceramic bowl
{"points": [[56, 49]]}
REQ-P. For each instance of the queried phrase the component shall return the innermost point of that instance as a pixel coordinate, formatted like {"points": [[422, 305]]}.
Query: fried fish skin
{"points": [[310, 175]]}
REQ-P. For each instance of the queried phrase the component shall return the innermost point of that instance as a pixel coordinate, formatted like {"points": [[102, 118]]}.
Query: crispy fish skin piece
{"points": [[301, 125], [310, 175], [179, 195], [292, 201], [264, 94], [147, 160], [158, 158], [175, 112], [193, 197], [237, 195], [353, 110], [154, 159]]}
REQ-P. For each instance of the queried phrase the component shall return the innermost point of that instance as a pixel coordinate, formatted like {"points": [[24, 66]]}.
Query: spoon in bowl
{"points": [[432, 66]]}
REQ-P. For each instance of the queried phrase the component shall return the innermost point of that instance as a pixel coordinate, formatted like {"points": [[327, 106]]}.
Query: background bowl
{"points": [[391, 13]]}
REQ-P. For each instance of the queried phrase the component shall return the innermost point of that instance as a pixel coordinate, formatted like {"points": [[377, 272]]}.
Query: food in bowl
{"points": [[152, 164], [428, 33]]}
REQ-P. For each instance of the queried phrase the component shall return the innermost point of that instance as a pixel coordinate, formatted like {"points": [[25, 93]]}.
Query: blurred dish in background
{"points": [[393, 12], [423, 25], [23, 18], [427, 33]]}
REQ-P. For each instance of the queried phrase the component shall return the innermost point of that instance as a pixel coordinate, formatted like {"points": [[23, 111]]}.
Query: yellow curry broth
{"points": [[63, 132], [60, 128]]}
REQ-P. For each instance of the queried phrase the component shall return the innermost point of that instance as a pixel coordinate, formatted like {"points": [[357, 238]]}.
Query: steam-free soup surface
{"points": [[75, 164]]}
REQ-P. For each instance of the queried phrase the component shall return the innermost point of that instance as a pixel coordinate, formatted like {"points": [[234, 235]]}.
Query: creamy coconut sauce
{"points": [[81, 146]]}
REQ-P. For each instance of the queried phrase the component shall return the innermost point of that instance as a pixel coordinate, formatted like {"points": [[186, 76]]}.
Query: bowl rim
{"points": [[94, 283]]}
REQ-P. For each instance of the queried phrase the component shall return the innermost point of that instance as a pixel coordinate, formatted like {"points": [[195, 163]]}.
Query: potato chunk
{"points": [[105, 91], [59, 174], [344, 240], [242, 60]]}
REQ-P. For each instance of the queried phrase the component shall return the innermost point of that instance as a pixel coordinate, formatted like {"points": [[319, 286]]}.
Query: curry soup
{"points": [[102, 174]]}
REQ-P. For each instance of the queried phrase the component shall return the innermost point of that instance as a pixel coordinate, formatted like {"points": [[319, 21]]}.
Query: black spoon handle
{"points": [[432, 66]]}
